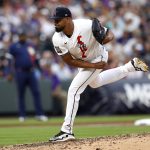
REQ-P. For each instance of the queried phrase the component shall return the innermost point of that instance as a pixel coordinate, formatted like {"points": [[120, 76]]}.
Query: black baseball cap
{"points": [[61, 12]]}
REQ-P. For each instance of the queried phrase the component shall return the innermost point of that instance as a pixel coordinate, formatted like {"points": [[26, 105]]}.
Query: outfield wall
{"points": [[127, 96], [8, 97]]}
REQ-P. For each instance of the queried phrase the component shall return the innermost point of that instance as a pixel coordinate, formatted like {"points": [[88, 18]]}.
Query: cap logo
{"points": [[61, 12]]}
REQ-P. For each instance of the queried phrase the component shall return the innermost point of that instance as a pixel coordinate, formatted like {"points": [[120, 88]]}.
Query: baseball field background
{"points": [[13, 132]]}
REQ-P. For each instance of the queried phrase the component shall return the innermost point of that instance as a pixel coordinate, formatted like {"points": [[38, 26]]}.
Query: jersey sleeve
{"points": [[59, 45]]}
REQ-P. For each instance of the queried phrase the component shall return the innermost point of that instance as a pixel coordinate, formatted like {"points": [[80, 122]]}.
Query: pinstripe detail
{"points": [[75, 95]]}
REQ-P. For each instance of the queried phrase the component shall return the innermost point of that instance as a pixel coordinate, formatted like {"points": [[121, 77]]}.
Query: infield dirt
{"points": [[126, 142]]}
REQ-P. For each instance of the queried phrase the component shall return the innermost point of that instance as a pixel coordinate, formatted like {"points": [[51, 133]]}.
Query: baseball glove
{"points": [[98, 30]]}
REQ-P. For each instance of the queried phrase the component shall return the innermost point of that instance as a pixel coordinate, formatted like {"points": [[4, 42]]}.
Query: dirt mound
{"points": [[126, 142]]}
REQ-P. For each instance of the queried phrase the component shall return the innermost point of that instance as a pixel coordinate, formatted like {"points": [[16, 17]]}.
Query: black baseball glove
{"points": [[98, 31]]}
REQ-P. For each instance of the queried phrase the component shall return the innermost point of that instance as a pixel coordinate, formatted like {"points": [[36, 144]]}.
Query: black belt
{"points": [[25, 69]]}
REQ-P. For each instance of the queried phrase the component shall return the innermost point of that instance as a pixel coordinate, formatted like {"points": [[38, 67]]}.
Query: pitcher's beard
{"points": [[58, 29]]}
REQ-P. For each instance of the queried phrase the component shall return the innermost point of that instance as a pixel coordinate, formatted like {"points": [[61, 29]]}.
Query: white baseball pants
{"points": [[95, 78]]}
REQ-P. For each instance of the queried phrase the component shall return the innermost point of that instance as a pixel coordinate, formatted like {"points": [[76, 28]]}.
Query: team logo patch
{"points": [[58, 49]]}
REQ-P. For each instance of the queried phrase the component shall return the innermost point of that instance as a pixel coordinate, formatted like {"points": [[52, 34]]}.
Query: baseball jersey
{"points": [[24, 54], [82, 44]]}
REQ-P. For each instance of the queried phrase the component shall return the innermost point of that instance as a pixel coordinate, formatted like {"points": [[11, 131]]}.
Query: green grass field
{"points": [[13, 132]]}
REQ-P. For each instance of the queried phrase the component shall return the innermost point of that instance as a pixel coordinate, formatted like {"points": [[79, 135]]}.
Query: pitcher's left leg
{"points": [[78, 85]]}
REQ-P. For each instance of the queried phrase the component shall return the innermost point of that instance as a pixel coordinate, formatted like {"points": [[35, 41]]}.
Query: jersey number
{"points": [[82, 46]]}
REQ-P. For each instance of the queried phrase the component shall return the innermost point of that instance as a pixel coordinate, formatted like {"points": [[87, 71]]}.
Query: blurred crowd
{"points": [[129, 20]]}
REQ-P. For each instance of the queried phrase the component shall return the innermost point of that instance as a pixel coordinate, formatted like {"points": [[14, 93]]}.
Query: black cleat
{"points": [[62, 136]]}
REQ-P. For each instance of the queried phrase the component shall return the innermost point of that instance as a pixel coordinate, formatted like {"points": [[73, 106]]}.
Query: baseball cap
{"points": [[61, 12]]}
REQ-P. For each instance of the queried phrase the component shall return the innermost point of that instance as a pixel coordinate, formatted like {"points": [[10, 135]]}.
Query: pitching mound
{"points": [[127, 142]]}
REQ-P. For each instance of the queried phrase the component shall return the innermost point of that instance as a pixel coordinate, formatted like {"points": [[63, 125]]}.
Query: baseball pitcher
{"points": [[80, 43]]}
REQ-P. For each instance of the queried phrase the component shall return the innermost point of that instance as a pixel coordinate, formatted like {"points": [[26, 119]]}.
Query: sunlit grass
{"points": [[31, 131]]}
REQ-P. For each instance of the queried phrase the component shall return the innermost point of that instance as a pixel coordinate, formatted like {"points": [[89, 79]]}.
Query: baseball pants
{"points": [[23, 80], [94, 78]]}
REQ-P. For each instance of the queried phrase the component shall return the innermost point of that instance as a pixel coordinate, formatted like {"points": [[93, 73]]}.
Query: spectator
{"points": [[4, 68], [59, 95], [66, 72]]}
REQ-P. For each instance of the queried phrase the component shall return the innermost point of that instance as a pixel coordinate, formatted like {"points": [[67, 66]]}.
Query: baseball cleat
{"points": [[21, 119], [42, 118], [139, 65], [62, 136]]}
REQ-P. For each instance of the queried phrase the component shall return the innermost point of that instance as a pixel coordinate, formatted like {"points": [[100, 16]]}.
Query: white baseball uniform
{"points": [[82, 45]]}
